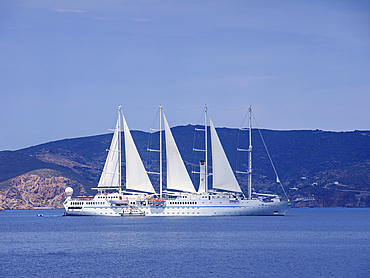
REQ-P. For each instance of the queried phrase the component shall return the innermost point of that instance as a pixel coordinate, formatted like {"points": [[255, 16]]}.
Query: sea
{"points": [[306, 242]]}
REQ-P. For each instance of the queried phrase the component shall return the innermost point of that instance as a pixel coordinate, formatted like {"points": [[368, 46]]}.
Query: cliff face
{"points": [[40, 188]]}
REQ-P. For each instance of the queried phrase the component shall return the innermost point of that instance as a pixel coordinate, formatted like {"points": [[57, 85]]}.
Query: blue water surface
{"points": [[304, 243]]}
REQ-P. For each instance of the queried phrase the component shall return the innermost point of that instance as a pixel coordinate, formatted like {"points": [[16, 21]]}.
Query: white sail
{"points": [[177, 175], [111, 176], [136, 175], [223, 176]]}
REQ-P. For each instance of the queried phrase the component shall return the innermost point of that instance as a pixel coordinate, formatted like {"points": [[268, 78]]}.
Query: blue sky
{"points": [[65, 66]]}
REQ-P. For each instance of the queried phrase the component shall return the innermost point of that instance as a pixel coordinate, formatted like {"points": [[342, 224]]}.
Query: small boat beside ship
{"points": [[132, 211], [180, 198]]}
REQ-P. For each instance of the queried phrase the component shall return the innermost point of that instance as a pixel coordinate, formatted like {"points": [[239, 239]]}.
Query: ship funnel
{"points": [[202, 182]]}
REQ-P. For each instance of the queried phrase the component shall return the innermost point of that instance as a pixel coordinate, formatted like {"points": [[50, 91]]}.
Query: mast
{"points": [[249, 150], [250, 155], [205, 162], [111, 176], [206, 158], [160, 153], [119, 150]]}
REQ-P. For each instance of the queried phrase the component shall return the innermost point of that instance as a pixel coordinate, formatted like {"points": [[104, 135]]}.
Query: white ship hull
{"points": [[110, 204], [242, 208], [217, 205], [75, 207], [186, 205], [97, 211]]}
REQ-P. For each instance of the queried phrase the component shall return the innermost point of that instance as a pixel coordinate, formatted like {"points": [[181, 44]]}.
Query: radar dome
{"points": [[69, 191]]}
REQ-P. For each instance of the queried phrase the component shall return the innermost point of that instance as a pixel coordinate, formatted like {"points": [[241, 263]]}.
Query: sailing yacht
{"points": [[225, 198], [111, 200]]}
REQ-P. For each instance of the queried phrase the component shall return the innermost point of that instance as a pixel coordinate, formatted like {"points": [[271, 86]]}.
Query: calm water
{"points": [[304, 243]]}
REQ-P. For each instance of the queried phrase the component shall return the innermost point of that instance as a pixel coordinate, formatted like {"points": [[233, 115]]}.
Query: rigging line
{"points": [[239, 143], [148, 157], [201, 118], [135, 107], [233, 109], [244, 120], [196, 156], [196, 145], [154, 121], [193, 159], [149, 164], [237, 153], [195, 138], [193, 108], [268, 154]]}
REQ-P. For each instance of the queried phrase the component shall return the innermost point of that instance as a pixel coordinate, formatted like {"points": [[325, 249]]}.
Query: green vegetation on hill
{"points": [[15, 163]]}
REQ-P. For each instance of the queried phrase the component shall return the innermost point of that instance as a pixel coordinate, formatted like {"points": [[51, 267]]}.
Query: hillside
{"points": [[334, 167]]}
